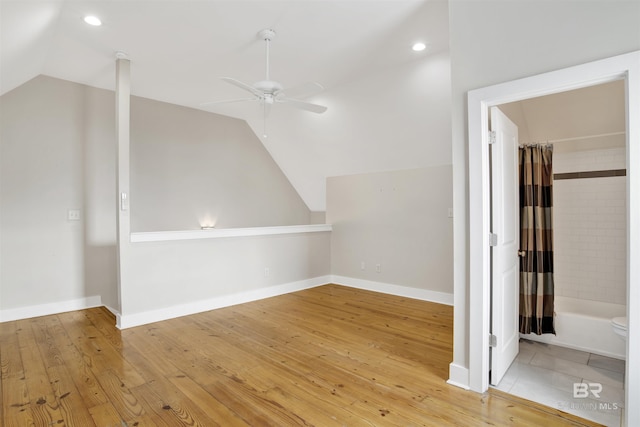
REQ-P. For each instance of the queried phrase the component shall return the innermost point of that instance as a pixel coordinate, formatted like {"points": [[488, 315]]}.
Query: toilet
{"points": [[619, 325]]}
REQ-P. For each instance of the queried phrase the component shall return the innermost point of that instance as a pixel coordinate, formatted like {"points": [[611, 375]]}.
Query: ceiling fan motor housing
{"points": [[268, 86], [267, 34]]}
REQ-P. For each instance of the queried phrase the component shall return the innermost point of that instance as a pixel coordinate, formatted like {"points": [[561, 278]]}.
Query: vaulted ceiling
{"points": [[389, 107]]}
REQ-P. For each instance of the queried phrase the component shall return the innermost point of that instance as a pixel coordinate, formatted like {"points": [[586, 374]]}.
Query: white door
{"points": [[505, 224]]}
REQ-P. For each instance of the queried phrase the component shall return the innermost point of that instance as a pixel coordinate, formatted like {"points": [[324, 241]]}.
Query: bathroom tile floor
{"points": [[552, 375]]}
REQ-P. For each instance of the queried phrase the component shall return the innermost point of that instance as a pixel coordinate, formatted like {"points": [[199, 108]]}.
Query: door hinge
{"points": [[492, 137], [493, 239], [493, 340]]}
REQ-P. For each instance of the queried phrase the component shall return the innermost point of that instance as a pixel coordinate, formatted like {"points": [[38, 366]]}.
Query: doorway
{"points": [[626, 67], [586, 129], [585, 132]]}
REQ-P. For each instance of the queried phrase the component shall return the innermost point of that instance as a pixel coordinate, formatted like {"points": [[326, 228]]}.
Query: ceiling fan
{"points": [[269, 92]]}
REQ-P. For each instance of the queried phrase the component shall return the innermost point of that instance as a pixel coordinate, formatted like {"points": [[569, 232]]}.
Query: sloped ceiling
{"points": [[389, 107], [573, 119]]}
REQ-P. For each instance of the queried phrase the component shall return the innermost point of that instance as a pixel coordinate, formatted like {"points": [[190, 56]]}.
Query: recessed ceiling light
{"points": [[93, 20], [419, 46]]}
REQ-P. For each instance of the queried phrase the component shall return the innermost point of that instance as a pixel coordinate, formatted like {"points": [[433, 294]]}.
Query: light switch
{"points": [[124, 201]]}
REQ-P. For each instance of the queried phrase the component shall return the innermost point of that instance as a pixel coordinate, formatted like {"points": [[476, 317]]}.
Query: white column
{"points": [[123, 92]]}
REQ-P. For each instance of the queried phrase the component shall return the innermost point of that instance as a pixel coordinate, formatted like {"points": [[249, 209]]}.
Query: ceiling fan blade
{"points": [[301, 91], [242, 85], [314, 108], [227, 101]]}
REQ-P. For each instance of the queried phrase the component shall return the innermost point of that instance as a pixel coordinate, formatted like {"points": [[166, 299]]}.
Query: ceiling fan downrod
{"points": [[267, 35]]}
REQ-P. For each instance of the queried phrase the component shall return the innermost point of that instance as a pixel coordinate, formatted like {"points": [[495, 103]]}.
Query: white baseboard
{"points": [[137, 319], [458, 376], [387, 288], [49, 308]]}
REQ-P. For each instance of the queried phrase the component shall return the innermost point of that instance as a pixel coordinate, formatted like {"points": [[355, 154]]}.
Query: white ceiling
{"points": [[378, 90], [577, 119]]}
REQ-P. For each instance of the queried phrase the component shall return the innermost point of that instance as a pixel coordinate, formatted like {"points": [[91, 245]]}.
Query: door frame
{"points": [[626, 67]]}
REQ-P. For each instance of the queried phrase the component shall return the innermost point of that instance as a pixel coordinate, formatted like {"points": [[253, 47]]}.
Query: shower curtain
{"points": [[536, 239]]}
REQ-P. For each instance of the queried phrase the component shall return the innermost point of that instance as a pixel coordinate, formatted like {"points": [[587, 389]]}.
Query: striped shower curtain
{"points": [[536, 239]]}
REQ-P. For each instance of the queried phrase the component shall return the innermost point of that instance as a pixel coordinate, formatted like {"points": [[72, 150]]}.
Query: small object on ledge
{"points": [[207, 227]]}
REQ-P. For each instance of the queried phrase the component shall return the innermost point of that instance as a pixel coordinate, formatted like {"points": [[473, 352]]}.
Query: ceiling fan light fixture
{"points": [[93, 20]]}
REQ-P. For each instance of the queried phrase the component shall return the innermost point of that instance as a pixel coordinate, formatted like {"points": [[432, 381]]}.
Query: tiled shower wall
{"points": [[590, 227]]}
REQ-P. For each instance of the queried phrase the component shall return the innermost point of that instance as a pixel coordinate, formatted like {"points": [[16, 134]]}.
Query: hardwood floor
{"points": [[328, 356]]}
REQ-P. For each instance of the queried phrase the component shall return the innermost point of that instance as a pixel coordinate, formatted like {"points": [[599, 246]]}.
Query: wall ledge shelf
{"points": [[163, 236]]}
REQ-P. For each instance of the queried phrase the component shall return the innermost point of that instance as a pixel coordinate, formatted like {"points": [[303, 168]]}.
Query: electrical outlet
{"points": [[73, 214], [378, 268], [266, 272], [362, 265]]}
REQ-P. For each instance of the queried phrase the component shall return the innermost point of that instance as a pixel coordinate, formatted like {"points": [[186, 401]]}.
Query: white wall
{"points": [[397, 220], [99, 196], [166, 279], [191, 168], [590, 233], [56, 154], [403, 124], [498, 41]]}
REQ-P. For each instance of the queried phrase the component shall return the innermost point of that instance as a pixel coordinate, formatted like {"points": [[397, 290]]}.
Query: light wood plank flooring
{"points": [[328, 356]]}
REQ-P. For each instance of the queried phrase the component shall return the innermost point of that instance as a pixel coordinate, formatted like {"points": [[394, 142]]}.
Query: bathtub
{"points": [[585, 325]]}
